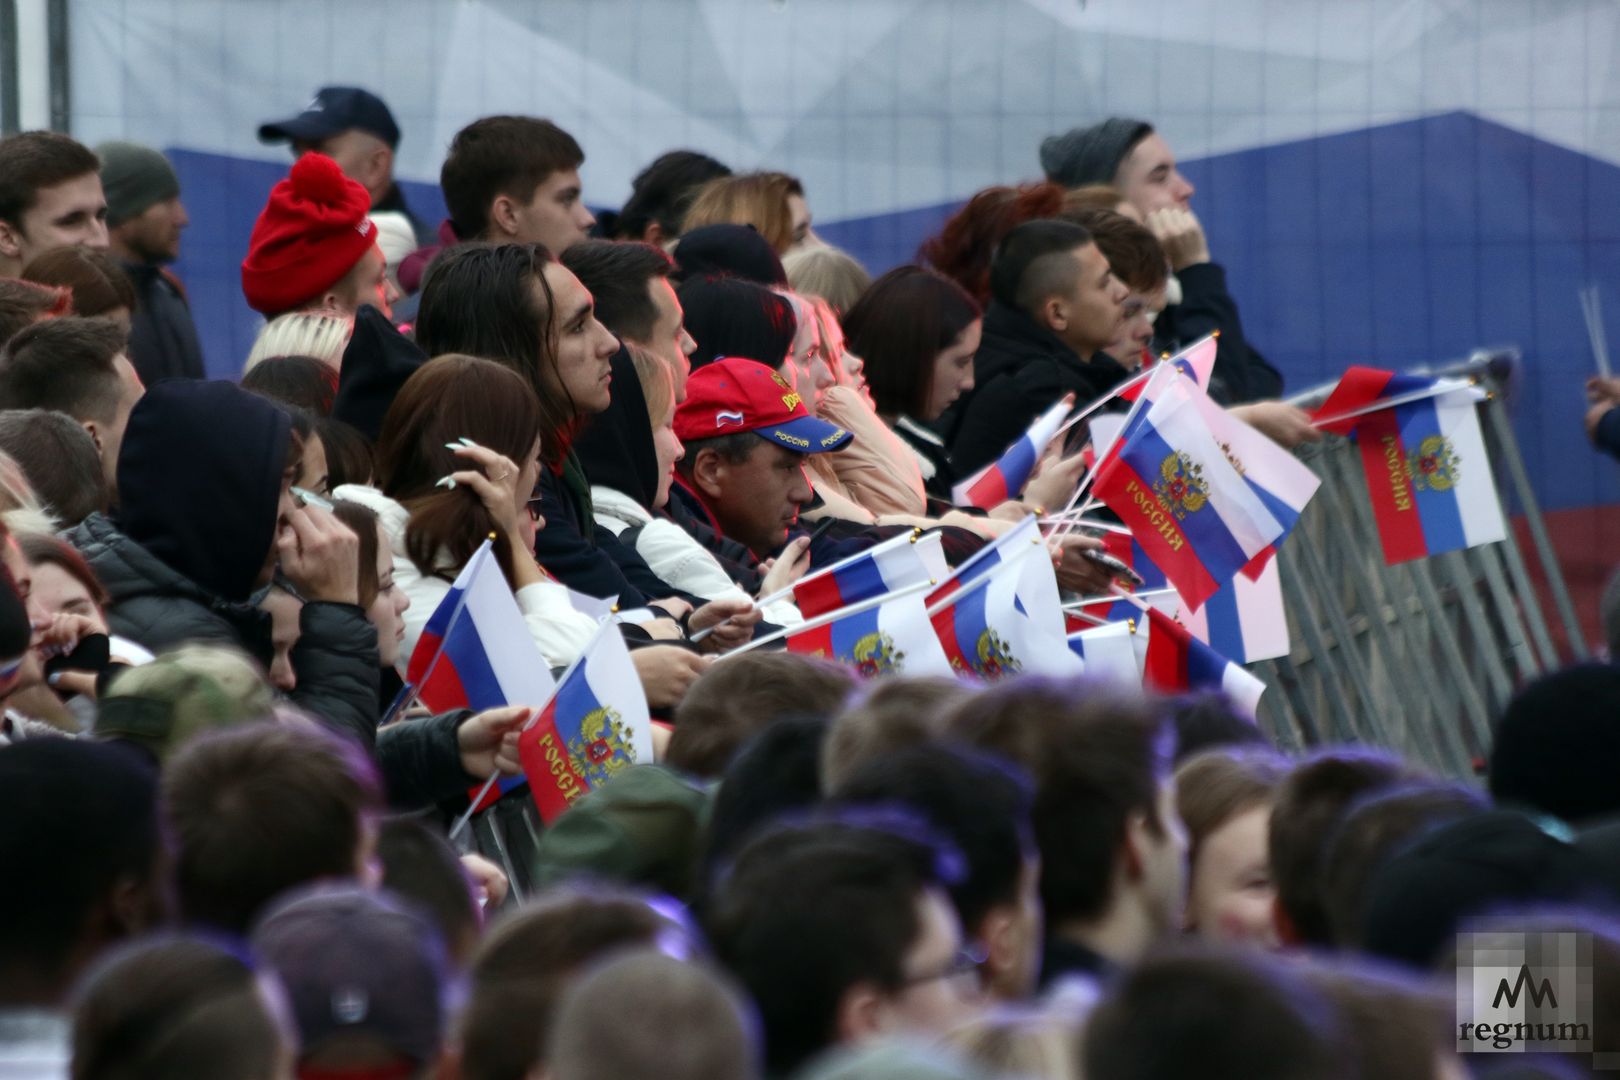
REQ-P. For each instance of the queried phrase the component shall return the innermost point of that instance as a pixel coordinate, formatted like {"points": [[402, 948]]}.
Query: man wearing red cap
{"points": [[746, 432], [314, 247]]}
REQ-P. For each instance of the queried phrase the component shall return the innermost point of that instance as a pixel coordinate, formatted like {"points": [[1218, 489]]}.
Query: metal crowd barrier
{"points": [[1420, 657]]}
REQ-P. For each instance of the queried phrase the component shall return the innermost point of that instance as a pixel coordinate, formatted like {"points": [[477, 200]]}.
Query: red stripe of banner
{"points": [[1165, 667], [817, 595], [552, 778], [1383, 460], [817, 641]]}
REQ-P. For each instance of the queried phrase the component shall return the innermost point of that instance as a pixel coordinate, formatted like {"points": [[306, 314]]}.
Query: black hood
{"points": [[616, 448], [199, 481], [376, 363]]}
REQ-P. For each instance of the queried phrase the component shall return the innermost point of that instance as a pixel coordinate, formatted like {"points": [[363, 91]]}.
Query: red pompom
{"points": [[317, 178]]}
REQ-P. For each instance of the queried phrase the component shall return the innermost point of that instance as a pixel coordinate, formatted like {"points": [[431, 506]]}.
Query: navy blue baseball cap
{"points": [[335, 109]]}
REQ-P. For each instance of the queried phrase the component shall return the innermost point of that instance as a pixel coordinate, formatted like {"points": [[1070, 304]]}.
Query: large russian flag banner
{"points": [[1005, 477], [1429, 478], [1005, 621], [1174, 487], [1176, 661], [476, 652], [594, 725], [896, 563], [885, 638]]}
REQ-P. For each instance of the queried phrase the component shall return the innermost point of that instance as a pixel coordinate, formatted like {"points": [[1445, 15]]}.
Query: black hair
{"points": [[775, 772], [421, 866], [663, 191], [33, 160], [809, 911], [617, 274], [899, 326], [729, 317], [982, 804], [80, 817], [1557, 746], [1207, 720], [1032, 263], [501, 155]]}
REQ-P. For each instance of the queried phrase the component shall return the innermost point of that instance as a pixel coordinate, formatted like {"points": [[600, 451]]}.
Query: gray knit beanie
{"points": [[134, 177], [1091, 155]]}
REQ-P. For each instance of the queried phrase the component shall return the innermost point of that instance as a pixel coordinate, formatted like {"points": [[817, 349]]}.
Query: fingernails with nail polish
{"points": [[446, 482]]}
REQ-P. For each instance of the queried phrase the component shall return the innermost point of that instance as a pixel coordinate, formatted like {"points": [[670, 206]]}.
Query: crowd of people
{"points": [[228, 849]]}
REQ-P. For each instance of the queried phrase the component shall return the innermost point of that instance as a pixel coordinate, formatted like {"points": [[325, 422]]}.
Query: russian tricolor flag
{"points": [[476, 651], [1006, 620], [1175, 488], [1176, 661], [1011, 544], [1427, 472], [1113, 653], [897, 563], [1244, 620], [891, 636], [1005, 477], [594, 725]]}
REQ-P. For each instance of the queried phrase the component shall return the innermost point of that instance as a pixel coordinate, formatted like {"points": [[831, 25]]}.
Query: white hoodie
{"points": [[560, 632], [675, 555]]}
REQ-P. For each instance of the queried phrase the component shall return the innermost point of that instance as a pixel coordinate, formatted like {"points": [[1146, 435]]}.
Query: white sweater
{"points": [[559, 632], [675, 556]]}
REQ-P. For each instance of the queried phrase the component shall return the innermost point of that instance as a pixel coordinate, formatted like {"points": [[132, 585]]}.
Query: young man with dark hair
{"points": [[1112, 846], [746, 433], [85, 867], [841, 933], [1131, 156], [516, 179], [144, 220], [636, 300], [24, 303], [78, 367], [982, 805], [314, 246], [1056, 305], [661, 194], [259, 809], [1310, 805], [59, 459], [50, 197], [890, 715]]}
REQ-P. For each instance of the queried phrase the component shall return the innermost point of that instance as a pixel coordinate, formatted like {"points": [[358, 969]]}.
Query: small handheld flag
{"points": [[1005, 477]]}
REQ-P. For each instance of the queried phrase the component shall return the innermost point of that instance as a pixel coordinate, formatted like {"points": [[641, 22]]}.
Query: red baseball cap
{"points": [[733, 395]]}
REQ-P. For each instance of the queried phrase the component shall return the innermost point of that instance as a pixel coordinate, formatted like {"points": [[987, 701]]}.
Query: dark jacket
{"points": [[1241, 373], [162, 338], [1021, 370], [335, 657], [1607, 435], [930, 447]]}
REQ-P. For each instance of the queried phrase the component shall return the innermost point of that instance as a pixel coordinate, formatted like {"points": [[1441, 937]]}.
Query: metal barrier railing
{"points": [[1423, 656]]}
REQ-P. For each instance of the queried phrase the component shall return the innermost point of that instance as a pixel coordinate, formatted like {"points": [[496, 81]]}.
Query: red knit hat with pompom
{"points": [[313, 230]]}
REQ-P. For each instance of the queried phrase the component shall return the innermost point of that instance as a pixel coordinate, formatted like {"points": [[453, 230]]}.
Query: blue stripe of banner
{"points": [[1438, 510], [860, 580], [1205, 667], [1212, 542], [440, 619], [1286, 515], [1225, 628], [974, 568], [464, 651]]}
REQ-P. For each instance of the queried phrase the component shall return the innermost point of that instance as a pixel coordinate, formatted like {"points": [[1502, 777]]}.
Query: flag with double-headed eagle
{"points": [[886, 635], [1176, 488], [1006, 620], [1427, 473], [595, 724]]}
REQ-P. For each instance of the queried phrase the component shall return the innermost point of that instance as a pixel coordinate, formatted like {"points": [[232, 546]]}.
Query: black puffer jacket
{"points": [[335, 657]]}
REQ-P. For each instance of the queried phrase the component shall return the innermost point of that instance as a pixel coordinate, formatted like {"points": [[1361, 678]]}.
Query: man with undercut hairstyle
{"points": [[1131, 156], [50, 197], [1055, 306]]}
